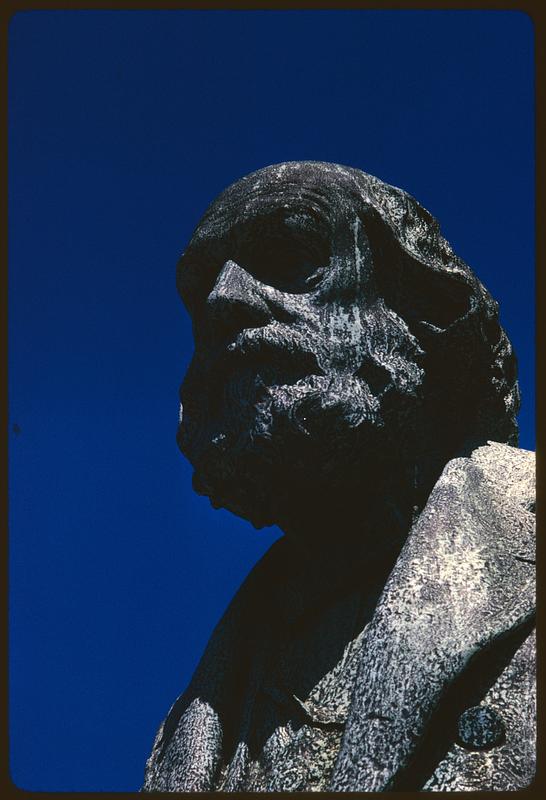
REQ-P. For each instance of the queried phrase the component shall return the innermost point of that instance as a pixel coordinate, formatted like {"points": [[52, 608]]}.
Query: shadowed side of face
{"points": [[303, 380]]}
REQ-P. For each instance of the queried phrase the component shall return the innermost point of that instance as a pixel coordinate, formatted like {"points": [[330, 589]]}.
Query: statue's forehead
{"points": [[263, 213], [309, 200]]}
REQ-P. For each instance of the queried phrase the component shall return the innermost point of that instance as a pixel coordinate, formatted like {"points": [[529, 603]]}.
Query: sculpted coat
{"points": [[387, 640]]}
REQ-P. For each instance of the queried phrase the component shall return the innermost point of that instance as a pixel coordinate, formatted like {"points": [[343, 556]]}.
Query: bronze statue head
{"points": [[337, 335]]}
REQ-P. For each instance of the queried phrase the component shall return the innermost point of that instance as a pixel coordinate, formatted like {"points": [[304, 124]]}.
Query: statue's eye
{"points": [[285, 262], [421, 295]]}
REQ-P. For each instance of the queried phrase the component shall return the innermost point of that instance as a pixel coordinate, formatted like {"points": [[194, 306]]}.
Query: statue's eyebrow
{"points": [[298, 223]]}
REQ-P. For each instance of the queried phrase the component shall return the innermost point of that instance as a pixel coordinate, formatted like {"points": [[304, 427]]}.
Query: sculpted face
{"points": [[304, 381]]}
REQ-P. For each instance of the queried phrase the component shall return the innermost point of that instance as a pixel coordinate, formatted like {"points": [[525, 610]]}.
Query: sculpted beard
{"points": [[262, 428]]}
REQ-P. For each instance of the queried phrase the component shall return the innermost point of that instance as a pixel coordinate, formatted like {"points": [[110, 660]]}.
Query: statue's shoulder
{"points": [[507, 472]]}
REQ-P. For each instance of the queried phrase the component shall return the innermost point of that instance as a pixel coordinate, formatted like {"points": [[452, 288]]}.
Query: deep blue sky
{"points": [[123, 127]]}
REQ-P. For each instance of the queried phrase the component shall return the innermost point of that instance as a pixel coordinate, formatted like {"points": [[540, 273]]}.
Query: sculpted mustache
{"points": [[270, 348]]}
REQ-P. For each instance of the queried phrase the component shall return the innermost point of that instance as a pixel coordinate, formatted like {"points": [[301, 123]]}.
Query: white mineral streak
{"points": [[362, 261]]}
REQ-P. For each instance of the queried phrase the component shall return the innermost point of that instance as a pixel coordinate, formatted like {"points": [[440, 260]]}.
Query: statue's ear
{"points": [[425, 295]]}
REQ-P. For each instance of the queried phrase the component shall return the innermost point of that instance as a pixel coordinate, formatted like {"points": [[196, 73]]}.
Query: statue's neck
{"points": [[339, 539], [363, 521]]}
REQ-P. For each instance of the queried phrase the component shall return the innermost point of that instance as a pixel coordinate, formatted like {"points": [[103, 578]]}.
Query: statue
{"points": [[351, 383]]}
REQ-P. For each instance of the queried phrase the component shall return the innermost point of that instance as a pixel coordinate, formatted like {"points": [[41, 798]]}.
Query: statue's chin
{"points": [[300, 440]]}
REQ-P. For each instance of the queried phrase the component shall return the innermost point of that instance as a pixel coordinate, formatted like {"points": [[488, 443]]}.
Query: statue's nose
{"points": [[238, 300]]}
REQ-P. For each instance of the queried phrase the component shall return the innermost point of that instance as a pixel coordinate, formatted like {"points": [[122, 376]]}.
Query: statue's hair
{"points": [[450, 311]]}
